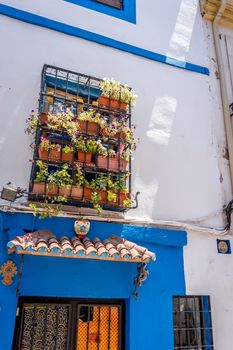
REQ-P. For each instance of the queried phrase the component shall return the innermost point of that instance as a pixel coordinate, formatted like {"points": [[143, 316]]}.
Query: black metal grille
{"points": [[62, 89], [69, 325], [192, 323]]}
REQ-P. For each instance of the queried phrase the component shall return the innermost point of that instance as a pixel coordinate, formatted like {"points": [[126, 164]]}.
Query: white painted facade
{"points": [[180, 166]]}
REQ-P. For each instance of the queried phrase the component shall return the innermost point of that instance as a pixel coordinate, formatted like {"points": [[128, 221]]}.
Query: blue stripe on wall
{"points": [[97, 38], [128, 13]]}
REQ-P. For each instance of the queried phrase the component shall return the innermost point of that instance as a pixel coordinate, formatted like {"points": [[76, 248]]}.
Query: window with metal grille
{"points": [[69, 325], [192, 323], [86, 177], [113, 3]]}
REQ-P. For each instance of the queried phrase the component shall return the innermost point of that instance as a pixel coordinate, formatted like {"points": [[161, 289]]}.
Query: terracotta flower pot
{"points": [[65, 191], [39, 188], [103, 196], [77, 192], [67, 157], [84, 156], [122, 197], [87, 193], [53, 155], [52, 190], [112, 103], [113, 164], [44, 118], [90, 128]]}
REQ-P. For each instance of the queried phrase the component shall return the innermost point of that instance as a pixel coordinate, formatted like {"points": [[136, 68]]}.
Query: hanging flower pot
{"points": [[52, 190], [112, 103], [52, 154], [67, 157], [84, 157], [39, 188], [44, 118], [87, 193], [81, 227], [103, 196], [88, 127], [77, 192], [122, 197], [112, 164], [65, 191]]}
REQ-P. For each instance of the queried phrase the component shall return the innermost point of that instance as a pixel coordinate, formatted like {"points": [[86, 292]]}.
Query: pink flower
{"points": [[43, 139]]}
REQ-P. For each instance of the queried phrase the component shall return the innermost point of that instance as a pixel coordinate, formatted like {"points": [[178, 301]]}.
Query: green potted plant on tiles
{"points": [[115, 95]]}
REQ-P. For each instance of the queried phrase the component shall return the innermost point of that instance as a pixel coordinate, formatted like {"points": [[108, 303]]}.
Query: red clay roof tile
{"points": [[113, 248]]}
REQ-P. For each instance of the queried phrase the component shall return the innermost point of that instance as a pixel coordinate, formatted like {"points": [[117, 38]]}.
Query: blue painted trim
{"points": [[97, 38], [127, 14]]}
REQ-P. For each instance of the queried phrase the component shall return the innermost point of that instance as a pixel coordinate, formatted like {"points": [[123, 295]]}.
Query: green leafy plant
{"points": [[112, 197], [79, 176], [32, 123], [95, 200], [42, 173], [61, 177], [128, 203], [91, 146], [68, 149], [47, 209]]}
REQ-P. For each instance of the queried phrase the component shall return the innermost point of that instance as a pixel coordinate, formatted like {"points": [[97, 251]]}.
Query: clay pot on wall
{"points": [[84, 156], [111, 163], [52, 154], [39, 188], [90, 128], [112, 103], [77, 192]]}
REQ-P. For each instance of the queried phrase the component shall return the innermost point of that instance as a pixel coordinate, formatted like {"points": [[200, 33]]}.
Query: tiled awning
{"points": [[44, 243]]}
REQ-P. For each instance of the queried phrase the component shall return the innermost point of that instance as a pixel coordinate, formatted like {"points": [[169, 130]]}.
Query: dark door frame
{"points": [[73, 321]]}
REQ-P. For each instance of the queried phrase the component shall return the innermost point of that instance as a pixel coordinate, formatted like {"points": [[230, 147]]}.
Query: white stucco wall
{"points": [[179, 165], [210, 273]]}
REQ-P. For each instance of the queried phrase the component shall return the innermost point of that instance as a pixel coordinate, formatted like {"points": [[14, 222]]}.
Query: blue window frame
{"points": [[127, 13]]}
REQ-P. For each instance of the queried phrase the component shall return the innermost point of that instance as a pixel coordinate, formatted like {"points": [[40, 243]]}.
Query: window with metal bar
{"points": [[113, 3], [71, 324], [192, 323], [84, 161]]}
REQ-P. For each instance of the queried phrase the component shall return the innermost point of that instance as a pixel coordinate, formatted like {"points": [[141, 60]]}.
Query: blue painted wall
{"points": [[149, 322]]}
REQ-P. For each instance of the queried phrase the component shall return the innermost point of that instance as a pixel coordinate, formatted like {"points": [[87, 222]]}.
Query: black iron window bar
{"points": [[192, 323], [62, 89]]}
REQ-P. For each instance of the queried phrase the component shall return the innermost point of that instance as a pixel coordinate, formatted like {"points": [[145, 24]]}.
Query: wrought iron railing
{"points": [[61, 90]]}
